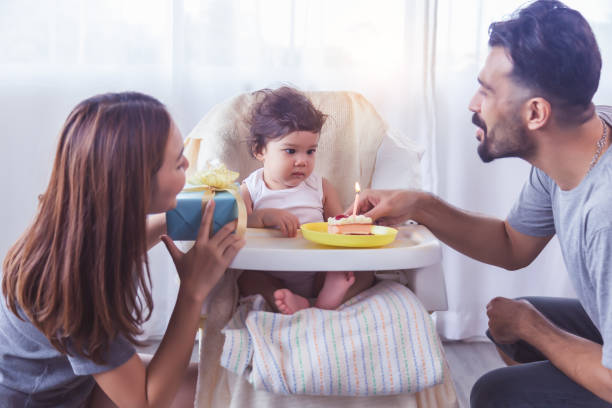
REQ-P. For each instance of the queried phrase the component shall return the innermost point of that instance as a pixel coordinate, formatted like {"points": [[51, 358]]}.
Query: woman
{"points": [[76, 283]]}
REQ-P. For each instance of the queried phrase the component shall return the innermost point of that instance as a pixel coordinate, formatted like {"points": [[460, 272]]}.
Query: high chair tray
{"points": [[268, 250]]}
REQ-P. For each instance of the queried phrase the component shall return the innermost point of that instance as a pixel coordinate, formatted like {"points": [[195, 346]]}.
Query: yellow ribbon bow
{"points": [[217, 177]]}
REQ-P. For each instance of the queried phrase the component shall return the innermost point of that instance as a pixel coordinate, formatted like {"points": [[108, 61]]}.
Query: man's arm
{"points": [[485, 239], [576, 357]]}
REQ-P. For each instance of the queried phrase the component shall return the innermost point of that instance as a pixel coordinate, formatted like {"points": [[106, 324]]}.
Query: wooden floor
{"points": [[467, 362]]}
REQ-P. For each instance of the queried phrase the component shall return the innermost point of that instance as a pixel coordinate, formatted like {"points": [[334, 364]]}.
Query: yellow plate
{"points": [[317, 232]]}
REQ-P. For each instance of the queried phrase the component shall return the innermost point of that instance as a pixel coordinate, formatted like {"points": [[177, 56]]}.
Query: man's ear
{"points": [[537, 113]]}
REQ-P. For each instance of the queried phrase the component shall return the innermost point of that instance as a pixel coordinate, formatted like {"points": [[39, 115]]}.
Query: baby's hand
{"points": [[281, 219]]}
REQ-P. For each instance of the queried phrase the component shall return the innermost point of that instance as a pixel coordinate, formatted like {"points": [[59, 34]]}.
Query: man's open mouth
{"points": [[482, 128]]}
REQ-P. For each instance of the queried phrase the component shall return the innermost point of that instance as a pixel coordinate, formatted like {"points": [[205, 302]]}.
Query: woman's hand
{"points": [[203, 265], [281, 219], [387, 207]]}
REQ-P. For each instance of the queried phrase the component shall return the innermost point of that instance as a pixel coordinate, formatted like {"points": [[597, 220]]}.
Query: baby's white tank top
{"points": [[305, 201]]}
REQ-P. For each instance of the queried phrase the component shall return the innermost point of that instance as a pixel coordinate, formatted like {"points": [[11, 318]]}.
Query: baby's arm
{"points": [[253, 220], [331, 201], [269, 217], [246, 197]]}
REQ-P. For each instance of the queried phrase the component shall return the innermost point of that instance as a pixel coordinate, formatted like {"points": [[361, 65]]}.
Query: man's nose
{"points": [[474, 105]]}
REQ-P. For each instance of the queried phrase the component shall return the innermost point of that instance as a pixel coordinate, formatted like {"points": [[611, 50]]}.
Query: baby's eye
{"points": [[312, 151], [290, 151]]}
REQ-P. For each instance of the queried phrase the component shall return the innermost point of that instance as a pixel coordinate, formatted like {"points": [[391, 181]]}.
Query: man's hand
{"points": [[507, 317], [577, 357], [387, 207], [286, 222]]}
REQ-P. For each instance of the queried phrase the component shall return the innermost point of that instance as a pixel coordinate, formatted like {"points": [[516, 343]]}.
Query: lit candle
{"points": [[357, 190]]}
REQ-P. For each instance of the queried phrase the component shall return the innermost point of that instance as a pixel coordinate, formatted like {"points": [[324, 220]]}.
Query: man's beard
{"points": [[507, 138]]}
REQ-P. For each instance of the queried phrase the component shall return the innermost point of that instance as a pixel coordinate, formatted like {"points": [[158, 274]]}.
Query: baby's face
{"points": [[289, 160]]}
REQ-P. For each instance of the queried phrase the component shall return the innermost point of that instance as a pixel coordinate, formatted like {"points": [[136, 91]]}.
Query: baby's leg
{"points": [[334, 289], [273, 290], [258, 282], [363, 280], [288, 302]]}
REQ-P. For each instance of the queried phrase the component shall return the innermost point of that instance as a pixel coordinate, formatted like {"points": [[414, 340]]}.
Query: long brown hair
{"points": [[80, 272]]}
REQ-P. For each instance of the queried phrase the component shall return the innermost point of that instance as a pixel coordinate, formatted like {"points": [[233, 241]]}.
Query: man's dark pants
{"points": [[537, 383]]}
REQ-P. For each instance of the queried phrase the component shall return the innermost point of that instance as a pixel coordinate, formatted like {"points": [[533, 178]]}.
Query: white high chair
{"points": [[355, 145]]}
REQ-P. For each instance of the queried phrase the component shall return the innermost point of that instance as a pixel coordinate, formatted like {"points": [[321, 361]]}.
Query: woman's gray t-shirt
{"points": [[34, 374], [582, 219]]}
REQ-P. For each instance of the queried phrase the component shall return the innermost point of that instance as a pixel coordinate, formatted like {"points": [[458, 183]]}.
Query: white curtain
{"points": [[415, 60]]}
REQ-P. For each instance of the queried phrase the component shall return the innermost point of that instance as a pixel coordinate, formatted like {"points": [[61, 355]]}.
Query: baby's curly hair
{"points": [[280, 112]]}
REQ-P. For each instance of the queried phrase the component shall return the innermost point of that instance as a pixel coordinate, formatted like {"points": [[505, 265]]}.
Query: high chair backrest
{"points": [[347, 151]]}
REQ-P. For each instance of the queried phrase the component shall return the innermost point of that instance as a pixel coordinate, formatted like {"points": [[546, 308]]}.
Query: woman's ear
{"points": [[537, 113]]}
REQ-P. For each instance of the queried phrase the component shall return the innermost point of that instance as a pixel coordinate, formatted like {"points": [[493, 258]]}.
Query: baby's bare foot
{"points": [[288, 302], [334, 289]]}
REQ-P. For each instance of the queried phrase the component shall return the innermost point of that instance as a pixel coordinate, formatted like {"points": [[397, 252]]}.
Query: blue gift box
{"points": [[183, 222]]}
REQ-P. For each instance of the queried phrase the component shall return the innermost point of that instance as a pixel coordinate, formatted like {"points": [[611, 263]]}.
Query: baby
{"points": [[285, 193]]}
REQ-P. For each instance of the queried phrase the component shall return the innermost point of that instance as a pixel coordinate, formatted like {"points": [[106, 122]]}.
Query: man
{"points": [[534, 102]]}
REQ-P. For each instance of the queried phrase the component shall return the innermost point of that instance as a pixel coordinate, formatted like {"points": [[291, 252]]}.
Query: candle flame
{"points": [[357, 188]]}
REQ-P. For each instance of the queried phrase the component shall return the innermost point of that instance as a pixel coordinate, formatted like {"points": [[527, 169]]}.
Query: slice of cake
{"points": [[349, 225]]}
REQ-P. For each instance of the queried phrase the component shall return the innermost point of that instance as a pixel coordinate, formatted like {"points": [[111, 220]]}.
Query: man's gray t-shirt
{"points": [[34, 374], [582, 219]]}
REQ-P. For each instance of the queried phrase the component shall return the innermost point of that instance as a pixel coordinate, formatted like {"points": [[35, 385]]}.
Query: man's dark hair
{"points": [[280, 112], [555, 55]]}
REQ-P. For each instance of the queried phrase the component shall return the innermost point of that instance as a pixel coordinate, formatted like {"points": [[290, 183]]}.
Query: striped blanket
{"points": [[381, 342]]}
